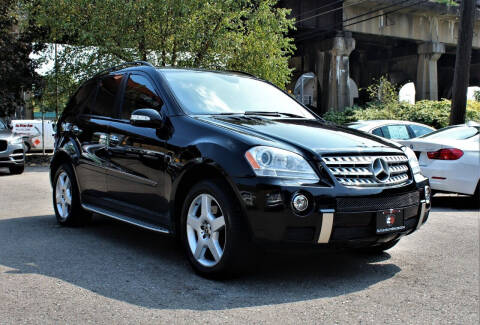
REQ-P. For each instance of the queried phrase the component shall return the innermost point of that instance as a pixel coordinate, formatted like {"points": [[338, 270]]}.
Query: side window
{"points": [[106, 93], [397, 132], [139, 93], [81, 100], [378, 132], [419, 130]]}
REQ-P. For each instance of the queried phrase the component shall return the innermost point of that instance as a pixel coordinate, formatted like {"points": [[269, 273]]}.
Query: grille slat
{"points": [[377, 203], [357, 170]]}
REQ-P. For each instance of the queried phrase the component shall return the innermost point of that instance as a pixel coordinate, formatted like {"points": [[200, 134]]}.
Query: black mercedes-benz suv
{"points": [[227, 162]]}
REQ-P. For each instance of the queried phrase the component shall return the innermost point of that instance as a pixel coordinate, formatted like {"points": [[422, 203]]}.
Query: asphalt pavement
{"points": [[113, 273]]}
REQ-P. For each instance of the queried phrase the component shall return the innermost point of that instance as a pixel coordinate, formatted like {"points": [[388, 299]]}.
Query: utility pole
{"points": [[462, 62], [56, 84]]}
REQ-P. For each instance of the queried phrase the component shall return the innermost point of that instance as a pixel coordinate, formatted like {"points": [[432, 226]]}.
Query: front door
{"points": [[137, 158]]}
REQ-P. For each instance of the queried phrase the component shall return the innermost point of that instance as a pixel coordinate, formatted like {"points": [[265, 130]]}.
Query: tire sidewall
{"points": [[226, 205]]}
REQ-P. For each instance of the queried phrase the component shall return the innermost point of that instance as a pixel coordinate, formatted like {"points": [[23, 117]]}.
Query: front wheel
{"points": [[379, 249], [16, 170], [214, 232]]}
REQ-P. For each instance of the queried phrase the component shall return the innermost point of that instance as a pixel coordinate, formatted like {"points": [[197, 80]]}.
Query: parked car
{"points": [[31, 131], [227, 161], [392, 129], [12, 154], [450, 158]]}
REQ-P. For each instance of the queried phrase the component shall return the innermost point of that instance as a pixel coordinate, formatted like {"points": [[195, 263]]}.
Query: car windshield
{"points": [[2, 125], [453, 133], [204, 92]]}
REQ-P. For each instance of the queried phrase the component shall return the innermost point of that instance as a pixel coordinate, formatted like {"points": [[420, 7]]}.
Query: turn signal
{"points": [[445, 154]]}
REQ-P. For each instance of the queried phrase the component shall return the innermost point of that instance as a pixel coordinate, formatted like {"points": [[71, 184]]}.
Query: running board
{"points": [[132, 221]]}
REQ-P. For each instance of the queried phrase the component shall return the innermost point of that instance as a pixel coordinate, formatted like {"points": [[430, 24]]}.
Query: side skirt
{"points": [[132, 221]]}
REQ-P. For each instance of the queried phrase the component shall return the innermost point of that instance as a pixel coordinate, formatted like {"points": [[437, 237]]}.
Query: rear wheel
{"points": [[213, 231], [16, 170], [66, 200], [476, 195]]}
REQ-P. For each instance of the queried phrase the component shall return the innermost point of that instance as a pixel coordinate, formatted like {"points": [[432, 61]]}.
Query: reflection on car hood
{"points": [[312, 135], [5, 134]]}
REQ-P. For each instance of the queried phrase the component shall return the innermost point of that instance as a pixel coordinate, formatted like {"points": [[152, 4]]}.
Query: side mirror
{"points": [[147, 117]]}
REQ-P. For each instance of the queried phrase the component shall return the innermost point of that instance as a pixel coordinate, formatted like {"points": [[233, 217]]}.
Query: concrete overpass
{"points": [[348, 44]]}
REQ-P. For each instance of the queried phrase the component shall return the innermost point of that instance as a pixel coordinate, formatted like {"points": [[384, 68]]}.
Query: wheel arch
{"points": [[191, 176]]}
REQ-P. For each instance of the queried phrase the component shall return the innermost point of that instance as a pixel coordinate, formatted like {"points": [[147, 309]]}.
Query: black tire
{"points": [[76, 215], [379, 249], [16, 170], [476, 196], [238, 255]]}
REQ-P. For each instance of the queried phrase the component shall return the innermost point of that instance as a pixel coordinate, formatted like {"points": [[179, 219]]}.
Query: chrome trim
{"points": [[357, 171], [327, 226], [125, 219], [125, 175], [422, 213]]}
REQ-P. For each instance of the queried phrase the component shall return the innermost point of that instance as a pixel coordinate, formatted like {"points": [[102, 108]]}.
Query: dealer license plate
{"points": [[390, 220]]}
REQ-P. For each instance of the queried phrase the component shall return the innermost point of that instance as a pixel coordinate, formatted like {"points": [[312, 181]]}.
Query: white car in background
{"points": [[31, 131], [392, 129], [450, 158]]}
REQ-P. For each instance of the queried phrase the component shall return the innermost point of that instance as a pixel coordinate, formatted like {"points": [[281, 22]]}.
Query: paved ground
{"points": [[109, 272]]}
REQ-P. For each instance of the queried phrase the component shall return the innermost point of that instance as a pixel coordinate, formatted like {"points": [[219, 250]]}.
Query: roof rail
{"points": [[122, 66]]}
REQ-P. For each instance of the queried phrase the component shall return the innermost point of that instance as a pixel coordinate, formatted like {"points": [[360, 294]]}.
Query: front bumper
{"points": [[13, 155], [339, 216]]}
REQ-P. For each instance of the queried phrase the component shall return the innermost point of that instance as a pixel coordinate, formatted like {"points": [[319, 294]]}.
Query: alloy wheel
{"points": [[206, 230], [63, 195]]}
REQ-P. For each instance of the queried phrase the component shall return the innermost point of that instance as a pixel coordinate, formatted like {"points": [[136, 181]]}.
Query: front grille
{"points": [[3, 145], [378, 203], [358, 170]]}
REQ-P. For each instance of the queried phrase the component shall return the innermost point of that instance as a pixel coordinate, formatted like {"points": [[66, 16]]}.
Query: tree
{"points": [[247, 35], [17, 71], [476, 95], [462, 62]]}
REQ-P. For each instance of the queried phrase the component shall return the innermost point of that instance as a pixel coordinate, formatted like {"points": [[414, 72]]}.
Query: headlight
{"points": [[16, 140], [412, 160], [274, 162]]}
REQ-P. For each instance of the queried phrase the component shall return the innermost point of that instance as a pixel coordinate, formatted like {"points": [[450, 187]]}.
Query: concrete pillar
{"points": [[427, 77], [333, 71]]}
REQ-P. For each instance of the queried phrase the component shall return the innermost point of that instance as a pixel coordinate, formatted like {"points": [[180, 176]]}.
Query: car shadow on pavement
{"points": [[38, 169], [149, 270]]}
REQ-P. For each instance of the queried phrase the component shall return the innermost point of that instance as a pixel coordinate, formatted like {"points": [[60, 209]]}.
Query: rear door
{"points": [[137, 157], [92, 130]]}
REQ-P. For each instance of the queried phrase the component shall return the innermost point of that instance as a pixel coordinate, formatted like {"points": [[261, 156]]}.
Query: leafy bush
{"points": [[429, 112]]}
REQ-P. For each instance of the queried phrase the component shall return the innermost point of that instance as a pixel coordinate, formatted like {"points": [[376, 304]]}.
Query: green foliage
{"points": [[452, 3], [247, 35], [17, 71], [433, 113], [476, 94], [382, 91]]}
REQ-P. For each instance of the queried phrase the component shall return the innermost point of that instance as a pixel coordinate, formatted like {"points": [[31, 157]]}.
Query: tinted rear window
{"points": [[106, 95]]}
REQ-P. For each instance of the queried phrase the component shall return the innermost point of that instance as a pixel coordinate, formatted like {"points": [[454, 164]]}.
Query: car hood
{"points": [[311, 135], [5, 134]]}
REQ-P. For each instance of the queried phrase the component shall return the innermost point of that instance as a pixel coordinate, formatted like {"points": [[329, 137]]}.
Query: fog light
{"points": [[300, 202], [428, 194]]}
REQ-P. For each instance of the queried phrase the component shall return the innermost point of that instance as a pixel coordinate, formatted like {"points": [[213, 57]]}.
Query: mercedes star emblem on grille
{"points": [[380, 170]]}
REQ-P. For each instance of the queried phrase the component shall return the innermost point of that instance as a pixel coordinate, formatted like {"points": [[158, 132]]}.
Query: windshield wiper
{"points": [[267, 113]]}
